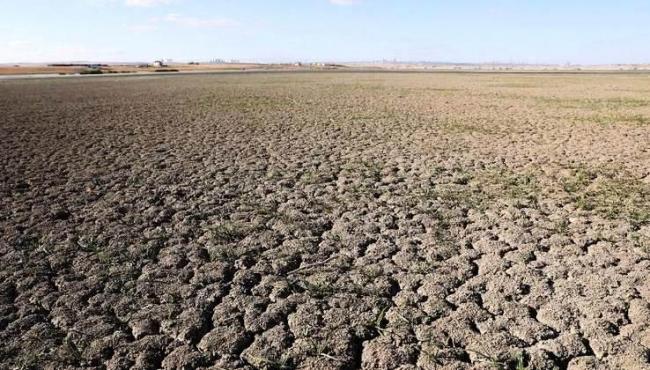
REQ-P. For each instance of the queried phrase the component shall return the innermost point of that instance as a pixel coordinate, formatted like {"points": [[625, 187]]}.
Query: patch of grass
{"points": [[609, 193], [368, 169], [372, 116], [274, 174], [228, 232], [223, 254], [320, 289], [423, 267], [606, 119], [245, 103], [461, 126], [484, 189], [28, 242], [594, 104], [259, 207], [561, 226], [520, 362], [641, 241], [373, 170], [312, 177], [579, 180], [371, 272], [93, 71], [104, 257], [89, 244], [503, 183], [258, 362], [515, 85], [499, 363], [135, 181]]}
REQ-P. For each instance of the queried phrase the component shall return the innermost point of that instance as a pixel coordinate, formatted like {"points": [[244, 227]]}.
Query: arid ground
{"points": [[326, 221], [24, 70]]}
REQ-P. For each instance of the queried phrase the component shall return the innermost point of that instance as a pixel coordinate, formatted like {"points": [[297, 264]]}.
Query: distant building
{"points": [[158, 64]]}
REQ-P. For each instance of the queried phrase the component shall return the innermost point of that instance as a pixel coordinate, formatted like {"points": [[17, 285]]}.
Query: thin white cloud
{"points": [[17, 51], [182, 21], [20, 44], [146, 3], [195, 22], [142, 28], [131, 3], [344, 2]]}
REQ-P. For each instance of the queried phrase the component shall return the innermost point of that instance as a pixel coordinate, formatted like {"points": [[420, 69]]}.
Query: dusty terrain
{"points": [[325, 221], [118, 68], [16, 70], [37, 70]]}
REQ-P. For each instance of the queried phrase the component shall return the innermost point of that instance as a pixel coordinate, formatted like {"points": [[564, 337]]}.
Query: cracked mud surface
{"points": [[325, 221]]}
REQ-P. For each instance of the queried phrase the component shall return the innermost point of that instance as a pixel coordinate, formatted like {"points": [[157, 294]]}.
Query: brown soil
{"points": [[325, 221], [30, 70], [130, 68]]}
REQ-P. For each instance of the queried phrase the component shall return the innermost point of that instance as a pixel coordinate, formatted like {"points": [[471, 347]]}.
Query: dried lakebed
{"points": [[326, 221]]}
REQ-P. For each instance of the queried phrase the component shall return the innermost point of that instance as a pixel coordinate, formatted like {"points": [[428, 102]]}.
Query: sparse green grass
{"points": [[641, 241], [517, 362], [505, 184], [92, 71], [371, 272], [423, 267], [319, 289], [228, 232], [378, 323], [561, 226], [312, 177], [223, 253], [520, 362], [366, 169], [593, 104], [607, 119], [274, 174], [135, 181], [486, 188], [28, 242], [609, 193], [515, 85], [244, 103], [460, 126], [104, 257], [252, 103], [89, 244], [283, 363]]}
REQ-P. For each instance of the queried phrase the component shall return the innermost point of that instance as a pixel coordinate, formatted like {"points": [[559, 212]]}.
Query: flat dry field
{"points": [[117, 68], [325, 221], [30, 70]]}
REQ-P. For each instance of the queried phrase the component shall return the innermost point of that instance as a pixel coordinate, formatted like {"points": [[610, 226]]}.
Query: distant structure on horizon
{"points": [[223, 61]]}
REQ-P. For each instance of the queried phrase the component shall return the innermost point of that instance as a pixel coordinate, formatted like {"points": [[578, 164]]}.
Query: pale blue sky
{"points": [[533, 31]]}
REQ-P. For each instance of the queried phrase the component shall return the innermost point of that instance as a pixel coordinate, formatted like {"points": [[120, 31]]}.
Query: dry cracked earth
{"points": [[326, 221]]}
